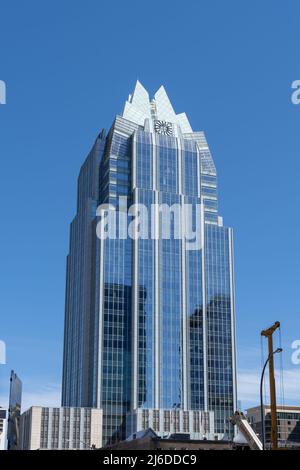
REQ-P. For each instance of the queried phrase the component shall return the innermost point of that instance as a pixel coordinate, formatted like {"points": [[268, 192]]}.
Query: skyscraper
{"points": [[14, 411], [149, 323]]}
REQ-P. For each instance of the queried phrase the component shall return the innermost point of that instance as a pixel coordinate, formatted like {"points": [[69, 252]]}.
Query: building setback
{"points": [[149, 323]]}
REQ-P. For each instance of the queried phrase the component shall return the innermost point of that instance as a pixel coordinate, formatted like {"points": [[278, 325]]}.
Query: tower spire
{"points": [[138, 107]]}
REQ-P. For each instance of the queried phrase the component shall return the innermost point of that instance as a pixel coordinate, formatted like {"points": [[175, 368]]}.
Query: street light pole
{"points": [[262, 414]]}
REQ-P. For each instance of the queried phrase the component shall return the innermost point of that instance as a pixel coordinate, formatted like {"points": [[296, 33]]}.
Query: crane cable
{"points": [[281, 373], [262, 365]]}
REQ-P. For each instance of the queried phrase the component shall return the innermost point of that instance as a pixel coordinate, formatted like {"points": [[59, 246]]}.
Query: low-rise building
{"points": [[198, 424], [60, 428], [149, 440], [288, 422]]}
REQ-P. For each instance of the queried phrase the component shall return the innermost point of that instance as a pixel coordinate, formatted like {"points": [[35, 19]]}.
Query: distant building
{"points": [[3, 428], [14, 411], [2, 352], [149, 440], [60, 428], [288, 421]]}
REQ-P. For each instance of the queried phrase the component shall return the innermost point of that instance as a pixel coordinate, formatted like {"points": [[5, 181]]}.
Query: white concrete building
{"points": [[198, 424], [3, 428], [60, 428]]}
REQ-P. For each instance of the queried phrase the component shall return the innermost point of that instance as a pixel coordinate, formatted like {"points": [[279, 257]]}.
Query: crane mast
{"points": [[268, 333]]}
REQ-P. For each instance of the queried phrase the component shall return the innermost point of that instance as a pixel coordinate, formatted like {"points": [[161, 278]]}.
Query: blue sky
{"points": [[69, 67]]}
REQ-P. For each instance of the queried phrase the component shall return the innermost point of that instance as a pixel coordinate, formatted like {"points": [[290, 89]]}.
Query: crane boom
{"points": [[240, 420]]}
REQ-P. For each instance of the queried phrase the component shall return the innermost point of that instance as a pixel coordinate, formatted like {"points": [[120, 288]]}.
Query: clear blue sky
{"points": [[68, 67]]}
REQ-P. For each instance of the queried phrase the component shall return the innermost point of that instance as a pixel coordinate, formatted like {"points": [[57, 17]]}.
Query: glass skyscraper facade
{"points": [[149, 323]]}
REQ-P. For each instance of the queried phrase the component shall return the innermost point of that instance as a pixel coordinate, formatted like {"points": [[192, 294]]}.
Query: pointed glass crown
{"points": [[138, 107]]}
